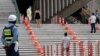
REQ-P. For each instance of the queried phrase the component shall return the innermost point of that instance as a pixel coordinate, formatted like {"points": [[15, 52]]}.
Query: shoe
{"points": [[91, 32]]}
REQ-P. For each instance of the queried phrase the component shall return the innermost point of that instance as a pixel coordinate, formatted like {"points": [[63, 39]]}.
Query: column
{"points": [[52, 7], [67, 3], [62, 4], [44, 11], [59, 5], [55, 6], [40, 7], [70, 1], [74, 0], [48, 9]]}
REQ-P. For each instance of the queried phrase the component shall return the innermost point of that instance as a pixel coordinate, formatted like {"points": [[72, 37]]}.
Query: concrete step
{"points": [[48, 34], [6, 8]]}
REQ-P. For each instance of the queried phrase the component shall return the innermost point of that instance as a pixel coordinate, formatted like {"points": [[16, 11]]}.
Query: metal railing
{"points": [[17, 10]]}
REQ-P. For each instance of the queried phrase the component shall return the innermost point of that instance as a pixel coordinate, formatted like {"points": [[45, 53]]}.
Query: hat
{"points": [[12, 18]]}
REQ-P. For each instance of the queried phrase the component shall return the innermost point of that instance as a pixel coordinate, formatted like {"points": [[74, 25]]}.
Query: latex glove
{"points": [[16, 46]]}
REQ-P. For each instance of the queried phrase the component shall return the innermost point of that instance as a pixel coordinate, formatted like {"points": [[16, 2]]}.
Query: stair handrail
{"points": [[17, 10]]}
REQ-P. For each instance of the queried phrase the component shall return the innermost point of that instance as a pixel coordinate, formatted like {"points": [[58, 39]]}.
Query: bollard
{"points": [[57, 50], [74, 48], [62, 21], [98, 48], [26, 21], [62, 50], [81, 48], [28, 27], [48, 50], [74, 37], [39, 50], [90, 48], [30, 32], [36, 43], [44, 50], [32, 37], [51, 50], [71, 32], [56, 18], [97, 27], [59, 20], [66, 27]]}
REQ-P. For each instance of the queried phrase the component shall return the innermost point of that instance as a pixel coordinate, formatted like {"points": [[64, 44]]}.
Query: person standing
{"points": [[37, 17], [97, 17], [29, 13], [10, 37], [92, 21], [66, 43]]}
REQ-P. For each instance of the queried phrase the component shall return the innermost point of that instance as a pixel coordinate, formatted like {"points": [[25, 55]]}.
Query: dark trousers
{"points": [[93, 28], [11, 52], [97, 20]]}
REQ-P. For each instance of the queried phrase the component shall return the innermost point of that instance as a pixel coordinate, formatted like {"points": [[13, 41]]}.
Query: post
{"points": [[44, 50], [57, 49], [62, 50], [98, 48], [74, 49], [51, 51], [90, 48], [48, 50], [81, 50]]}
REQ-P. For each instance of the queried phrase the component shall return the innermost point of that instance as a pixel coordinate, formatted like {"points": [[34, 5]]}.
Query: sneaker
{"points": [[91, 32], [94, 31]]}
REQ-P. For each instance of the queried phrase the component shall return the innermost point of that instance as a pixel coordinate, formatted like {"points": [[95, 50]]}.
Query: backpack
{"points": [[8, 35]]}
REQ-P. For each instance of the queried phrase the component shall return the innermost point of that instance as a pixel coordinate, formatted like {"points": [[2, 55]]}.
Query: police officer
{"points": [[10, 37]]}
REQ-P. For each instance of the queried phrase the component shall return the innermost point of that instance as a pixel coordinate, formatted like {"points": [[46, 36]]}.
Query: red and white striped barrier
{"points": [[74, 49]]}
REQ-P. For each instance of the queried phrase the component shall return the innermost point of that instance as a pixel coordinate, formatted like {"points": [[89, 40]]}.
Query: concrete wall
{"points": [[94, 5]]}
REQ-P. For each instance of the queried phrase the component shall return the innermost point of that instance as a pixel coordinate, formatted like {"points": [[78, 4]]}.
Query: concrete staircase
{"points": [[6, 8], [52, 34], [48, 33]]}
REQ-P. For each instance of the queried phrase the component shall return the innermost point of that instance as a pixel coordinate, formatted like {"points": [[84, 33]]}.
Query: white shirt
{"points": [[92, 19], [66, 42], [29, 13]]}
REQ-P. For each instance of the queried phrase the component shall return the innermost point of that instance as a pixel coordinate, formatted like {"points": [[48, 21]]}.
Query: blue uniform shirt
{"points": [[15, 34]]}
